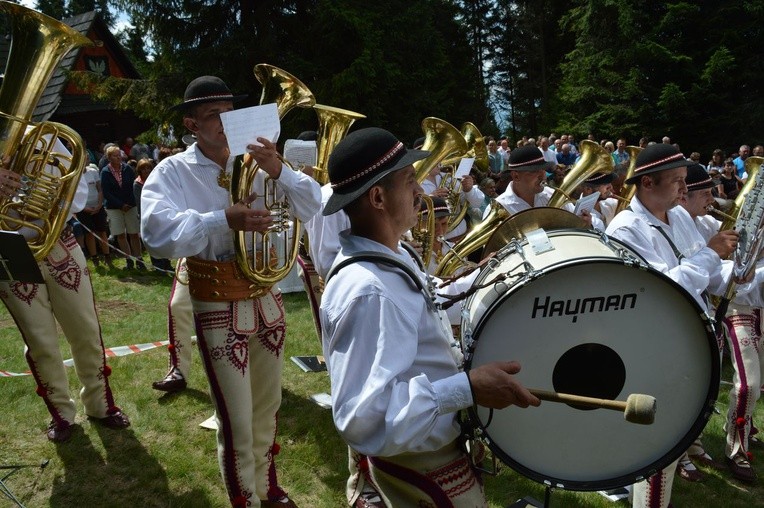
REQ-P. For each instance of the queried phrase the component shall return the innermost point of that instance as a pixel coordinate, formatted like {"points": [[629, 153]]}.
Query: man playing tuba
{"points": [[186, 212]]}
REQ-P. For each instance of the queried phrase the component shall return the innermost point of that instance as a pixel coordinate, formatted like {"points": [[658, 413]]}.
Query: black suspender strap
{"points": [[386, 259]]}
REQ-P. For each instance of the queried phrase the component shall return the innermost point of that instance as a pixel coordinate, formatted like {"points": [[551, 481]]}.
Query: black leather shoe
{"points": [[118, 420], [741, 469], [284, 502], [172, 382], [59, 433]]}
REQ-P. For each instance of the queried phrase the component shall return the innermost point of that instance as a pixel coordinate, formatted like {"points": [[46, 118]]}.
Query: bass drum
{"points": [[583, 315]]}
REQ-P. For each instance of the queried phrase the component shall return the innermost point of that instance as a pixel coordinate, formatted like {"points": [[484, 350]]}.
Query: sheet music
{"points": [[586, 203], [297, 151], [465, 166], [243, 126]]}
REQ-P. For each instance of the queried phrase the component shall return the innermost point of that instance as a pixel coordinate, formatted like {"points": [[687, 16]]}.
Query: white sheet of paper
{"points": [[586, 203], [465, 166], [243, 126], [297, 151]]}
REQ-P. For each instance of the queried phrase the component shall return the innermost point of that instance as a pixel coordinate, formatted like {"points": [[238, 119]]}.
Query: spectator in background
{"points": [[139, 151], [143, 169], [731, 183], [117, 184], [643, 142], [495, 159], [548, 154], [739, 161], [758, 150], [93, 218], [620, 155], [716, 162], [565, 157]]}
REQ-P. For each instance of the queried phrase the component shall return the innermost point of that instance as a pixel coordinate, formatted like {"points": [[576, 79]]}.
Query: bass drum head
{"points": [[607, 330]]}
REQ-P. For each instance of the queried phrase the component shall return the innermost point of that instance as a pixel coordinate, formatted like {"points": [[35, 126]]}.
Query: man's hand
{"points": [[267, 157], [9, 183], [126, 208], [440, 192], [241, 217], [587, 217], [494, 386], [467, 183], [724, 242]]}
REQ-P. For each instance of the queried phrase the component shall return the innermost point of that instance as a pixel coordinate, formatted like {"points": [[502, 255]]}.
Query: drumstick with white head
{"points": [[638, 408]]}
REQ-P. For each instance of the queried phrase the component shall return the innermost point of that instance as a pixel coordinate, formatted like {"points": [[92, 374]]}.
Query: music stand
{"points": [[12, 469], [17, 264]]}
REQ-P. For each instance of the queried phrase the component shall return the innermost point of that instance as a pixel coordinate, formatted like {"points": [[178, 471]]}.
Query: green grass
{"points": [[166, 460]]}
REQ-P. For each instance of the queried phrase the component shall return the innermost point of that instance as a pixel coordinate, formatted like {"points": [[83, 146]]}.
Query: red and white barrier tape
{"points": [[109, 352]]}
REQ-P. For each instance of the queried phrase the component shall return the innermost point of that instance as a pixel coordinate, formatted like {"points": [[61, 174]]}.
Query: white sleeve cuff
{"points": [[453, 393]]}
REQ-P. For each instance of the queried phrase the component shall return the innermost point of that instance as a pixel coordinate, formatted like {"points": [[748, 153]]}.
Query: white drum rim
{"points": [[699, 422]]}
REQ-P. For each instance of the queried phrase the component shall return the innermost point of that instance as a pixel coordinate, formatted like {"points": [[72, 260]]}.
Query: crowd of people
{"points": [[395, 366], [110, 222]]}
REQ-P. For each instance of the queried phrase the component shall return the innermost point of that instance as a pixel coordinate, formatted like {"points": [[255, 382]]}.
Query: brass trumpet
{"points": [[727, 217]]}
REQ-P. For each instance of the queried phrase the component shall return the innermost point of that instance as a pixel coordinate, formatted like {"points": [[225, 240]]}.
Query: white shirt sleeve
{"points": [[388, 411]]}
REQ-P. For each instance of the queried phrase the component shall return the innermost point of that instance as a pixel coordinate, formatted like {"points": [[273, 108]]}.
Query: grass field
{"points": [[166, 460]]}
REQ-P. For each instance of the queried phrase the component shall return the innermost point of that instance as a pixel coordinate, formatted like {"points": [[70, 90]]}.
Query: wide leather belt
{"points": [[219, 281]]}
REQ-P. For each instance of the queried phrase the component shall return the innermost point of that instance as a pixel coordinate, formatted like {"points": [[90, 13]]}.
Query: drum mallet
{"points": [[638, 408]]}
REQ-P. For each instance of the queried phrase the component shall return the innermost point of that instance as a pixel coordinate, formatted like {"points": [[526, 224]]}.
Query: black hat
{"points": [[206, 89], [697, 178], [360, 160], [439, 207], [528, 158], [600, 179], [657, 157]]}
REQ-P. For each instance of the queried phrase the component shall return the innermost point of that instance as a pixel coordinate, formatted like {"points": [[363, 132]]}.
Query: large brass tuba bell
{"points": [[477, 147], [333, 125], [38, 43], [442, 140], [594, 159], [269, 267]]}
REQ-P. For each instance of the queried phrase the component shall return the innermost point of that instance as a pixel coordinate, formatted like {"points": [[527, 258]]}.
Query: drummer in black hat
{"points": [[396, 386], [665, 235], [186, 211]]}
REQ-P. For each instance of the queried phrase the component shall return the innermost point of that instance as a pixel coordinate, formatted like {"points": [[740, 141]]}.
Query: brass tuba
{"points": [[333, 125], [473, 241], [268, 268], [594, 159], [424, 231], [38, 44], [477, 147], [442, 140]]}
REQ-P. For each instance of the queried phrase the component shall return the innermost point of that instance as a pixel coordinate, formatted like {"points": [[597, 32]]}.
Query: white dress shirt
{"points": [[700, 267], [395, 383], [514, 204], [183, 207], [324, 234]]}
